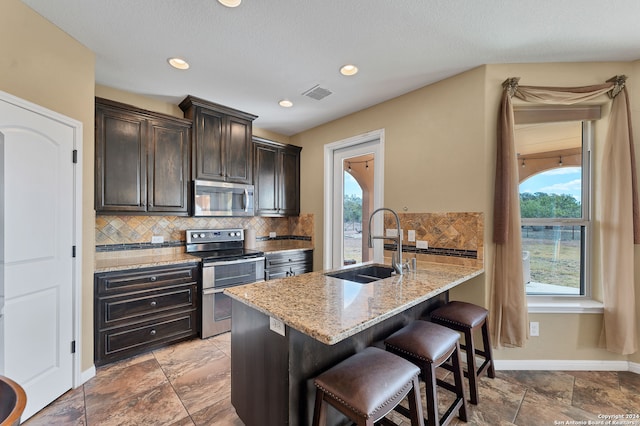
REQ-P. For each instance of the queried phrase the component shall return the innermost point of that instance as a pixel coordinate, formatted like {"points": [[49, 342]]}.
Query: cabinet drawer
{"points": [[125, 341], [282, 259], [139, 305], [142, 279], [287, 271]]}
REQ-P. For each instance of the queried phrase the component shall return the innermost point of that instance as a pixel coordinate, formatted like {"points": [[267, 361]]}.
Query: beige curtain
{"points": [[619, 213], [508, 301]]}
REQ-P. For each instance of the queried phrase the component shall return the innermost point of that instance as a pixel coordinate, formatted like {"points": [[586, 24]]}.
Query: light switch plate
{"points": [[391, 232], [422, 244], [272, 234], [411, 235], [276, 325], [157, 239]]}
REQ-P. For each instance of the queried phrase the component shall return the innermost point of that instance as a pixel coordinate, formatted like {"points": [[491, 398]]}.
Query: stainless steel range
{"points": [[225, 263]]}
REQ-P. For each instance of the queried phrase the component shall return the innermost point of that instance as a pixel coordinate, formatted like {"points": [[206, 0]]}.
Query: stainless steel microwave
{"points": [[222, 199]]}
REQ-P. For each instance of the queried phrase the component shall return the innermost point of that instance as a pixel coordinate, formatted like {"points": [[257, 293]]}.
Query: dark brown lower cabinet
{"points": [[288, 263], [143, 309]]}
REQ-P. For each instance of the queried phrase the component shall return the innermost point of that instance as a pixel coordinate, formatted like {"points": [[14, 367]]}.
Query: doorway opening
{"points": [[353, 189]]}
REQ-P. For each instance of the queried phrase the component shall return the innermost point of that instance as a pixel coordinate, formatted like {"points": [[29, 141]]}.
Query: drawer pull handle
{"points": [[153, 279], [152, 332], [153, 303]]}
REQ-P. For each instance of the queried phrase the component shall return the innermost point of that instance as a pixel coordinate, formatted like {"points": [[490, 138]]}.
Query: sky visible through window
{"points": [[351, 187], [564, 180]]}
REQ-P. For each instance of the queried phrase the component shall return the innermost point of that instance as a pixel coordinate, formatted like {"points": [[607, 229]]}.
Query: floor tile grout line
{"points": [[515, 417], [172, 387]]}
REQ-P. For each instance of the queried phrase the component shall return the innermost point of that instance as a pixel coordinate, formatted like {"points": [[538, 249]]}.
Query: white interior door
{"points": [[37, 226]]}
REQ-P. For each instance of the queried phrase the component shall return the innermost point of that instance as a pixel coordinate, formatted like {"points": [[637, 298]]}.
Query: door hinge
{"points": [[73, 346], [75, 156], [73, 251]]}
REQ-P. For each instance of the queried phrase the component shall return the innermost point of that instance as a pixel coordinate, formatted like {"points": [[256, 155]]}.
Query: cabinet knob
{"points": [[153, 303], [153, 279], [152, 332]]}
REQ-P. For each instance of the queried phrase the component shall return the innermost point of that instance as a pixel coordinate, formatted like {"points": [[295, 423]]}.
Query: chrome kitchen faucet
{"points": [[396, 259]]}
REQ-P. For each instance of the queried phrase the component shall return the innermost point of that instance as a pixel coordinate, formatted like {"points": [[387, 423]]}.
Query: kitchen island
{"points": [[285, 332]]}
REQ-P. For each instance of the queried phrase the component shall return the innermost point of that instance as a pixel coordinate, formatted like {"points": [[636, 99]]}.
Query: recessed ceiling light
{"points": [[178, 63], [349, 69], [230, 3], [285, 103]]}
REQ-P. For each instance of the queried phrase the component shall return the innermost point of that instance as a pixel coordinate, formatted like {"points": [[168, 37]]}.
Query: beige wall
{"points": [[439, 156], [428, 163], [43, 65]]}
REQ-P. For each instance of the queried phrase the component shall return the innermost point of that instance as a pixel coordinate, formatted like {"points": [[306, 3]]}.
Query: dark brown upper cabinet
{"points": [[276, 178], [221, 141], [142, 161]]}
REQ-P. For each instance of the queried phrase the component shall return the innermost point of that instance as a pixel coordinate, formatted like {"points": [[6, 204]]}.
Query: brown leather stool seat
{"points": [[467, 318], [429, 346], [367, 386]]}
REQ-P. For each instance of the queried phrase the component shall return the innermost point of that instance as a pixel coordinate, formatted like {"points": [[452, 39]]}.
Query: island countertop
{"points": [[331, 309]]}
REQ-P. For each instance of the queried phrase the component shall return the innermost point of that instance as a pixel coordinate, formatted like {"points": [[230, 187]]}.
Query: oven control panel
{"points": [[195, 236]]}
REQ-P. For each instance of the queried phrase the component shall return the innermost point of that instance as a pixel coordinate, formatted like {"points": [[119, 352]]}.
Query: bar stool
{"points": [[429, 346], [367, 386], [467, 318]]}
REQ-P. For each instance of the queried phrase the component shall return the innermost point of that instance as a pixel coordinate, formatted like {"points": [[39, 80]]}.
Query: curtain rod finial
{"points": [[619, 82], [511, 85]]}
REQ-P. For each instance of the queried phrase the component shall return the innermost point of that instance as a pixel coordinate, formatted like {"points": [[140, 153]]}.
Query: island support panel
{"points": [[272, 375]]}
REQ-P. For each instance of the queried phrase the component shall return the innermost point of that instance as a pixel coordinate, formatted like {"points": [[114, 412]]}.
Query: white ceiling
{"points": [[252, 56]]}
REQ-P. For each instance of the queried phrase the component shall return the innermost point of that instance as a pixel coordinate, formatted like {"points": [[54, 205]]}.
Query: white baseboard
{"points": [[86, 375], [567, 365]]}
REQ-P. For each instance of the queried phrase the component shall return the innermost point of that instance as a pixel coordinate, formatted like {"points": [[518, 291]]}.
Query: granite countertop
{"points": [[331, 309], [131, 260], [272, 246]]}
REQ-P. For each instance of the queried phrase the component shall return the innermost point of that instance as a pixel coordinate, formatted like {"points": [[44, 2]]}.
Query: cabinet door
{"points": [[238, 160], [208, 152], [168, 167], [289, 185], [266, 182], [120, 161]]}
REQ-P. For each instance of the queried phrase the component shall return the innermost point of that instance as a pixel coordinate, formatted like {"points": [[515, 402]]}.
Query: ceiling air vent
{"points": [[317, 92]]}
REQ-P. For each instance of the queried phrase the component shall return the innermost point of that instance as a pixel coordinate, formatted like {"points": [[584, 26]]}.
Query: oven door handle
{"points": [[233, 262]]}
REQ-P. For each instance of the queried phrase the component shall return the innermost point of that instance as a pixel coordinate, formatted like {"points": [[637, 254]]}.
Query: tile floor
{"points": [[189, 384]]}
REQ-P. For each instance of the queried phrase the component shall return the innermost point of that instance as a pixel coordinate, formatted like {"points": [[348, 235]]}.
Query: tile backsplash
{"points": [[119, 230], [453, 235]]}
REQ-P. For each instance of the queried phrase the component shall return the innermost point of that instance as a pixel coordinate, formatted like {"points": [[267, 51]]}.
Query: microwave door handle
{"points": [[246, 200]]}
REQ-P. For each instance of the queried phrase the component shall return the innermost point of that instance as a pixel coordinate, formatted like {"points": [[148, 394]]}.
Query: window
{"points": [[555, 206]]}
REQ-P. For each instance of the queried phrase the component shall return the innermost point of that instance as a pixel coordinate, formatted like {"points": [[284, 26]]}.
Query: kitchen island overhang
{"points": [[325, 320]]}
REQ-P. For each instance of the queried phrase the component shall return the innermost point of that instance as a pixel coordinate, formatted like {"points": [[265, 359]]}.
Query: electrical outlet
{"points": [[534, 328], [272, 234], [157, 239], [411, 235], [393, 232], [422, 244], [276, 325]]}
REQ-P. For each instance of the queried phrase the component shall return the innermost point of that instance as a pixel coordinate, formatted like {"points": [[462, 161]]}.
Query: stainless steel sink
{"points": [[363, 274]]}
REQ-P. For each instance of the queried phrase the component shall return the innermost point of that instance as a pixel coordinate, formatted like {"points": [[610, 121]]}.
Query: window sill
{"points": [[563, 305]]}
